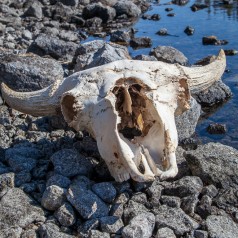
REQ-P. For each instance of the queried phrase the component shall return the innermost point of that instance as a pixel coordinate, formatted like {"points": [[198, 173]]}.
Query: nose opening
{"points": [[68, 108]]}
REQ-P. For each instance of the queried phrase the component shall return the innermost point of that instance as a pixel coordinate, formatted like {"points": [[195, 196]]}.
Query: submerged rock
{"points": [[140, 42], [212, 40], [216, 128], [189, 30]]}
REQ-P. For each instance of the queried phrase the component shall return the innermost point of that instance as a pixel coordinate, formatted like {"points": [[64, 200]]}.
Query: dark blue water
{"points": [[218, 20]]}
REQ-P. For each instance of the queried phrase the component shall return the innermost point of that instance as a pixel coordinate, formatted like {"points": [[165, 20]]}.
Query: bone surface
{"points": [[128, 106]]}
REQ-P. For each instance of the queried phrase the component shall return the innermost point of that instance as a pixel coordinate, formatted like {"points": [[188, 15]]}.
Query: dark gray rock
{"points": [[140, 42], [133, 209], [175, 219], [59, 12], [65, 215], [29, 72], [180, 2], [5, 118], [128, 8], [98, 52], [140, 226], [58, 180], [162, 32], [18, 210], [22, 177], [85, 228], [189, 30], [200, 234], [51, 230], [121, 37], [53, 197], [106, 13], [216, 128], [69, 162], [222, 227], [111, 224], [140, 198], [87, 203], [53, 46], [117, 210], [189, 203], [210, 190], [212, 40], [204, 209], [154, 193], [186, 123], [215, 164], [165, 233], [34, 10], [169, 54], [105, 191], [7, 181], [22, 158], [170, 201], [198, 6], [217, 93], [189, 185], [73, 3]]}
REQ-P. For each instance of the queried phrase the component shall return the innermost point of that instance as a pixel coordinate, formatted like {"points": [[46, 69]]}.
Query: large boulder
{"points": [[128, 8], [169, 54], [98, 52], [215, 164], [53, 46], [29, 72]]}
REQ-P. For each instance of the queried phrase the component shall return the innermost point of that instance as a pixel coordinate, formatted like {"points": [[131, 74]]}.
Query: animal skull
{"points": [[128, 106]]}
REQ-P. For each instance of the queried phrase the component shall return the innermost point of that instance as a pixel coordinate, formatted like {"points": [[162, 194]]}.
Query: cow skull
{"points": [[128, 106]]}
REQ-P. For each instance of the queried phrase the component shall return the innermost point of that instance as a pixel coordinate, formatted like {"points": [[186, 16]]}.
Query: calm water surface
{"points": [[218, 20]]}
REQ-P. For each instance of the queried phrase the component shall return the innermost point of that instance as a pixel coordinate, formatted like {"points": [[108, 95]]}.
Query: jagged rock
{"points": [[111, 224], [17, 211], [175, 219], [121, 37], [140, 226], [188, 185], [154, 193], [53, 197], [73, 3], [189, 30], [140, 198], [221, 226], [22, 158], [87, 203], [133, 209], [205, 207], [98, 234], [217, 93], [65, 215], [145, 57], [53, 46], [117, 210], [69, 162], [200, 234], [169, 54], [106, 13], [34, 10], [189, 203], [170, 201], [128, 8], [165, 233], [215, 164], [187, 121], [216, 128], [98, 52], [141, 42], [210, 190], [105, 191], [51, 230], [58, 180], [212, 40]]}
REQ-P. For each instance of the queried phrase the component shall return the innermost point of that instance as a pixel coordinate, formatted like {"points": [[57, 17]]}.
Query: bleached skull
{"points": [[128, 106]]}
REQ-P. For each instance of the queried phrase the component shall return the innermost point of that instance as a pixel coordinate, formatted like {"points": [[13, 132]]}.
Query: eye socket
{"points": [[68, 108]]}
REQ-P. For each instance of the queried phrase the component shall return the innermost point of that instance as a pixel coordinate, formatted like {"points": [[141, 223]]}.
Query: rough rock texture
{"points": [[215, 164], [29, 72], [140, 226], [175, 219], [127, 7], [6, 182], [17, 211], [222, 227], [165, 233], [111, 224], [68, 163], [217, 93], [53, 46], [98, 52], [186, 122], [169, 54]]}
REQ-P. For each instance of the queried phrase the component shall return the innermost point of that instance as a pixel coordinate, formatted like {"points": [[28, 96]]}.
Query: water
{"points": [[218, 20]]}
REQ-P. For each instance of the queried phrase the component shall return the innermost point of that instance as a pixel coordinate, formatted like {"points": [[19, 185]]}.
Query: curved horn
{"points": [[38, 103], [202, 77]]}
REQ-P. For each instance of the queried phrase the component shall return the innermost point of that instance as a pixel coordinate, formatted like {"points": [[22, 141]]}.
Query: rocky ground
{"points": [[53, 182]]}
